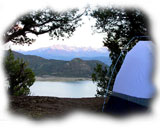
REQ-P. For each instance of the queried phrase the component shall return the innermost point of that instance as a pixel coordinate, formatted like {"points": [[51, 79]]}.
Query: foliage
{"points": [[19, 76], [56, 24], [100, 76], [119, 26]]}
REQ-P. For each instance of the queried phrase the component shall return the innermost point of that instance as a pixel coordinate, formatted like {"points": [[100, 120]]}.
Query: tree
{"points": [[120, 26], [19, 76], [100, 75], [56, 24]]}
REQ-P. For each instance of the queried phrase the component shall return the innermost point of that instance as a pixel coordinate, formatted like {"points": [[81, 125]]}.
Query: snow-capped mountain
{"points": [[63, 52]]}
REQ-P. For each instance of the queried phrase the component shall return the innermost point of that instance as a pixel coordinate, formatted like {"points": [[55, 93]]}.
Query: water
{"points": [[75, 89]]}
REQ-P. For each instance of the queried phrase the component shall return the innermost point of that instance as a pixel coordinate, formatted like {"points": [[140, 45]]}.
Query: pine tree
{"points": [[20, 77]]}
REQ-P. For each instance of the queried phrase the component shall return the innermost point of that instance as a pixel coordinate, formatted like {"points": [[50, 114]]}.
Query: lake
{"points": [[74, 89]]}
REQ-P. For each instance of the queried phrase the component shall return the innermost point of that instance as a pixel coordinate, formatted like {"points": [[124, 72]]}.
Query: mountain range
{"points": [[59, 68], [67, 53]]}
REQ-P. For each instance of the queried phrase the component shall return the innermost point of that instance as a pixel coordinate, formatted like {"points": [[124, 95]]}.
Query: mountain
{"points": [[58, 68], [67, 53]]}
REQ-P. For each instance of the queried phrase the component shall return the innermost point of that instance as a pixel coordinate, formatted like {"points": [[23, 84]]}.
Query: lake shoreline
{"points": [[62, 79]]}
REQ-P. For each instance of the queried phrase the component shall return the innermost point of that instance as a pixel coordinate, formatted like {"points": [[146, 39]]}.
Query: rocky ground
{"points": [[40, 107]]}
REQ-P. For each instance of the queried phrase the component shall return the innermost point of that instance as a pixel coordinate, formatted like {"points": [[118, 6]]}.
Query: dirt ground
{"points": [[40, 107]]}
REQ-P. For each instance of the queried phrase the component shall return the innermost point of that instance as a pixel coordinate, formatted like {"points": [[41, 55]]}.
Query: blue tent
{"points": [[133, 84]]}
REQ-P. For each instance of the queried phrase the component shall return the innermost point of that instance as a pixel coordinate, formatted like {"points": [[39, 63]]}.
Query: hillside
{"points": [[58, 68]]}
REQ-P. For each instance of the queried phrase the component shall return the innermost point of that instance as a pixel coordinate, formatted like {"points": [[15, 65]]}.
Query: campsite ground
{"points": [[41, 107]]}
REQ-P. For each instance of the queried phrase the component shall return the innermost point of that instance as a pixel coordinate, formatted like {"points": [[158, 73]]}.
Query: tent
{"points": [[133, 84]]}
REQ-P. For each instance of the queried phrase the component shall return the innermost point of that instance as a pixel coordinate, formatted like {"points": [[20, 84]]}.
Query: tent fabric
{"points": [[120, 107], [135, 75], [141, 101]]}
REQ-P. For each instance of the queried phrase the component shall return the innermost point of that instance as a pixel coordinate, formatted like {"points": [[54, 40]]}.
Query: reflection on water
{"points": [[75, 89]]}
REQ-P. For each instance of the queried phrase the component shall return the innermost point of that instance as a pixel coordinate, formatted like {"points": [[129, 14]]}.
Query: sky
{"points": [[84, 36]]}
